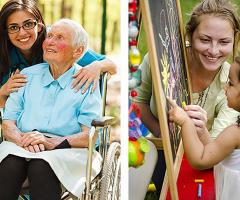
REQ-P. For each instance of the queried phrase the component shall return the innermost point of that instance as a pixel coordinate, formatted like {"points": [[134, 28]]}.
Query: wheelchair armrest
{"points": [[103, 121]]}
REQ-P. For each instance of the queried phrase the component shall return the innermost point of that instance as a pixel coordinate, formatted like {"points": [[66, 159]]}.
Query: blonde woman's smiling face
{"points": [[212, 42]]}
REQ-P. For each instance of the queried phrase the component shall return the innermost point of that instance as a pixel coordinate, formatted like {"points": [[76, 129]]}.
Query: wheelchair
{"points": [[106, 185]]}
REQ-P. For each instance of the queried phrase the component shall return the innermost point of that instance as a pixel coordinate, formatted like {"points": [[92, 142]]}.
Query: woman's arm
{"points": [[148, 118], [106, 65], [199, 118], [13, 84], [91, 73], [3, 99]]}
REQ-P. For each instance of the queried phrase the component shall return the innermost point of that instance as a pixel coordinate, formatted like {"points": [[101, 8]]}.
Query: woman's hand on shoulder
{"points": [[87, 75], [13, 84], [198, 116]]}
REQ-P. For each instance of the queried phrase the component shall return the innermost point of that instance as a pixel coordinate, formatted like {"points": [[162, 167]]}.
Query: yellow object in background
{"points": [[151, 187]]}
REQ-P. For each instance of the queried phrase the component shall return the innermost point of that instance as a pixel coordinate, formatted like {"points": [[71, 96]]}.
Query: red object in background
{"points": [[133, 43], [132, 7], [187, 188], [133, 69], [133, 93]]}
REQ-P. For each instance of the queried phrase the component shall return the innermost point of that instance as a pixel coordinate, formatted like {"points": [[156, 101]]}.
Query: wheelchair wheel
{"points": [[110, 183]]}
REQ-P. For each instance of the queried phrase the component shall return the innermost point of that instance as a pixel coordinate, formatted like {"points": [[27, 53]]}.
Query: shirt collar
{"points": [[63, 80]]}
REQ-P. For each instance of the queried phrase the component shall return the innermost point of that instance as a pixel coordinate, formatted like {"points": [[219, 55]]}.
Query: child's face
{"points": [[233, 87]]}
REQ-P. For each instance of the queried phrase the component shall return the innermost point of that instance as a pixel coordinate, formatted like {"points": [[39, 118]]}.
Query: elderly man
{"points": [[47, 104]]}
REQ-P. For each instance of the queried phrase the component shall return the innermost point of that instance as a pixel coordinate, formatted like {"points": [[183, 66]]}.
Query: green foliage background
{"points": [[186, 8]]}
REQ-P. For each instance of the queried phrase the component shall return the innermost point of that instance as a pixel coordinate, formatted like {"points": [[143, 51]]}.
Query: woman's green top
{"points": [[212, 99]]}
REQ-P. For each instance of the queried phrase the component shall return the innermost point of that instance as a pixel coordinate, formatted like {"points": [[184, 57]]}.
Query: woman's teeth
{"points": [[212, 59], [24, 39]]}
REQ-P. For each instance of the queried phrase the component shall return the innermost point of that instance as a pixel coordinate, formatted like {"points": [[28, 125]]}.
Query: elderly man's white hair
{"points": [[80, 36]]}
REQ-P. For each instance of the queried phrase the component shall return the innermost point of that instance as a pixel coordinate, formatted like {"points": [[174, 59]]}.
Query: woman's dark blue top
{"points": [[19, 62]]}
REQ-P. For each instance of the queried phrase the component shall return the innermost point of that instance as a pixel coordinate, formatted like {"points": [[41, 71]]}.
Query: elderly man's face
{"points": [[57, 47]]}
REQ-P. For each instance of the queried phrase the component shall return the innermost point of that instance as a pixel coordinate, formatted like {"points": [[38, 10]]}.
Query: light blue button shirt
{"points": [[52, 106]]}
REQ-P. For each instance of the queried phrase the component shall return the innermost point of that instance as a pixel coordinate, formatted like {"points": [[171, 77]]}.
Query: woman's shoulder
{"points": [[90, 56], [224, 72], [145, 64]]}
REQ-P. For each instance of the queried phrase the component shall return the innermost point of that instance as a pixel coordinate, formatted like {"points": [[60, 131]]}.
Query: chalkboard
{"points": [[164, 34]]}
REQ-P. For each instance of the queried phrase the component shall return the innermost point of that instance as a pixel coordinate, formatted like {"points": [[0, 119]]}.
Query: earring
{"points": [[187, 44]]}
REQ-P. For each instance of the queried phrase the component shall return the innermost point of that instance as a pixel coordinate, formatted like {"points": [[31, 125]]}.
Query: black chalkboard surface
{"points": [[170, 57], [164, 34]]}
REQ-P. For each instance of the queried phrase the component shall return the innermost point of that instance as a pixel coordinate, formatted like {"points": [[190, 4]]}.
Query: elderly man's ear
{"points": [[78, 52]]}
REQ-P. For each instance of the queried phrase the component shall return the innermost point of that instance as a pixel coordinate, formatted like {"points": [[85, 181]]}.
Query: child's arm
{"points": [[200, 156], [149, 120]]}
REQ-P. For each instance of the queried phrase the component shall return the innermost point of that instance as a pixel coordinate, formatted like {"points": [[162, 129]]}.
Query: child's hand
{"points": [[177, 114]]}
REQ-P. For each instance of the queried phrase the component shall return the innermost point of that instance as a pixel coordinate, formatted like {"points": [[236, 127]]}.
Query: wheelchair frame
{"points": [[106, 185]]}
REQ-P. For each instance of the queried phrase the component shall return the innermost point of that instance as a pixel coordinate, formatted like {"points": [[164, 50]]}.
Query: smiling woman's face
{"points": [[58, 46], [23, 39], [212, 42]]}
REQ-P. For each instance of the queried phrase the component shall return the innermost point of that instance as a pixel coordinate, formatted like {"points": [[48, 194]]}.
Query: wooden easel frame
{"points": [[171, 167]]}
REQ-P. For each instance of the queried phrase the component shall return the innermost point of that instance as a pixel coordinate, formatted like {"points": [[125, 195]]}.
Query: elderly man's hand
{"points": [[30, 139], [87, 75], [33, 141], [35, 148]]}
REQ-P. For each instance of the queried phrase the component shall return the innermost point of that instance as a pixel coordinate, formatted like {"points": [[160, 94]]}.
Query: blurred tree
{"points": [[104, 26], [104, 36], [83, 12]]}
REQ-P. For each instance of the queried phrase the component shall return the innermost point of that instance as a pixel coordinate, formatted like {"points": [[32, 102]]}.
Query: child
{"points": [[222, 153]]}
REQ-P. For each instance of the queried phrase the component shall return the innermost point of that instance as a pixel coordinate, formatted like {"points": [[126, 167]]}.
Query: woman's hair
{"points": [[5, 45], [237, 61], [219, 8]]}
